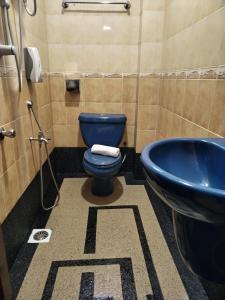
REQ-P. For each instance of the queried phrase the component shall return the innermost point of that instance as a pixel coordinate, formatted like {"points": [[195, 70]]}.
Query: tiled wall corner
{"points": [[194, 37], [197, 108], [147, 111], [192, 102]]}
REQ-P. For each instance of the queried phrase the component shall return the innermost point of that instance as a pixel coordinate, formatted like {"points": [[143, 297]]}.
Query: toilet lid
{"points": [[101, 161]]}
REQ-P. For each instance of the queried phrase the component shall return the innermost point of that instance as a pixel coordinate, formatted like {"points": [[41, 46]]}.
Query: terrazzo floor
{"points": [[103, 248]]}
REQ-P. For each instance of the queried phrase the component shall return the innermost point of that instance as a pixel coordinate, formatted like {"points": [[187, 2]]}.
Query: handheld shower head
{"points": [[4, 3], [29, 104]]}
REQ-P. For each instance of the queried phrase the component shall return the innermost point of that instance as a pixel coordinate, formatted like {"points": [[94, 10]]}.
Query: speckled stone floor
{"points": [[103, 248]]}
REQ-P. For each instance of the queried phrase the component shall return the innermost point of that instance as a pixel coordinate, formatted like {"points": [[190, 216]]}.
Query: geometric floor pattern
{"points": [[103, 248]]}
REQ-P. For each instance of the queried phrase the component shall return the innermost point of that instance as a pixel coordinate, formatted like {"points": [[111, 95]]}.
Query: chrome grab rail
{"points": [[66, 3]]}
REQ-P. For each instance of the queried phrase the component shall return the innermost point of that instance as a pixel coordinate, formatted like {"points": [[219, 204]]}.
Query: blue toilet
{"points": [[104, 129]]}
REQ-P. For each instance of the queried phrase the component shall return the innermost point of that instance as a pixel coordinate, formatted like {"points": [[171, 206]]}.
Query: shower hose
{"points": [[43, 140]]}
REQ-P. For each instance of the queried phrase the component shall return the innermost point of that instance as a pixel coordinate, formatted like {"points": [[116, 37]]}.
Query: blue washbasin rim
{"points": [[155, 169]]}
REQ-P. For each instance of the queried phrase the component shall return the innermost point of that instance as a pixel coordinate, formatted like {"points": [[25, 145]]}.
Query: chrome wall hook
{"points": [[11, 133]]}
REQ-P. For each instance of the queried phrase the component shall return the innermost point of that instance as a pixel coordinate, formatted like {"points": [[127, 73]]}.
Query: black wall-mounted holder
{"points": [[73, 86]]}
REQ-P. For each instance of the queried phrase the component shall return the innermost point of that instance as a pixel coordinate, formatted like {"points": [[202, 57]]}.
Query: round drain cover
{"points": [[40, 235]]}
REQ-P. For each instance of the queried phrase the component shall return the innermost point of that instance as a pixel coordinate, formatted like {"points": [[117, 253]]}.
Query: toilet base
{"points": [[102, 186]]}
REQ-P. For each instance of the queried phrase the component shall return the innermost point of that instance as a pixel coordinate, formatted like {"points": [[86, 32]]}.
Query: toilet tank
{"points": [[105, 129]]}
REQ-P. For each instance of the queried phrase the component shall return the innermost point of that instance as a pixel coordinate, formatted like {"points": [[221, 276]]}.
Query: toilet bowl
{"points": [[105, 129]]}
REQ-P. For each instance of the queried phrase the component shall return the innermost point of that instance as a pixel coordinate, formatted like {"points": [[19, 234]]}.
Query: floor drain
{"points": [[40, 235]]}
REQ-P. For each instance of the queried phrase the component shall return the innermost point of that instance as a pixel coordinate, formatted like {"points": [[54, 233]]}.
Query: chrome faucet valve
{"points": [[40, 139], [11, 133]]}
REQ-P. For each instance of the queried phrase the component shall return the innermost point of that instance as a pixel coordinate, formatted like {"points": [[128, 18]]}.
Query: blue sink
{"points": [[189, 176]]}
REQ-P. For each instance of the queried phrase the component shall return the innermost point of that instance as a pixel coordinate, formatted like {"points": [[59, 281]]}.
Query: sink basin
{"points": [[189, 176]]}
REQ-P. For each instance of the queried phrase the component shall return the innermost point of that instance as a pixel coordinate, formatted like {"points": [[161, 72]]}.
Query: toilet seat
{"points": [[101, 161]]}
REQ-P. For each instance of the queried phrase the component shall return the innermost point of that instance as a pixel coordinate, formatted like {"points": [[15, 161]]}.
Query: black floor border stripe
{"points": [[90, 242], [126, 271], [27, 251], [87, 286], [191, 282]]}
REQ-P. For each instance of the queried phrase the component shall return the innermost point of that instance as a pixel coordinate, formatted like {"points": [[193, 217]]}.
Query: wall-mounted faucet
{"points": [[11, 133], [40, 139]]}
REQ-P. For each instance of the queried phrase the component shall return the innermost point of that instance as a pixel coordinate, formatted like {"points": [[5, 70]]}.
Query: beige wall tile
{"points": [[112, 108], [67, 136], [186, 128], [149, 89], [147, 117], [211, 39], [200, 105], [176, 126], [19, 144], [45, 116], [151, 57], [6, 112], [129, 89], [194, 37], [190, 100], [73, 109], [164, 93], [217, 120], [94, 107], [112, 89], [204, 102], [128, 138], [208, 7], [57, 88], [154, 5], [180, 95], [144, 137], [171, 94], [59, 113], [152, 26], [93, 90], [129, 109], [199, 132]]}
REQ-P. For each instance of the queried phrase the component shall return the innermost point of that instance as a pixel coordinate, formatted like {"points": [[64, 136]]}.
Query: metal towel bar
{"points": [[66, 3]]}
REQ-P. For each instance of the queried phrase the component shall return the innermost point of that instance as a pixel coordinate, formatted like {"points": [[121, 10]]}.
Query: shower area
{"points": [[159, 62]]}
